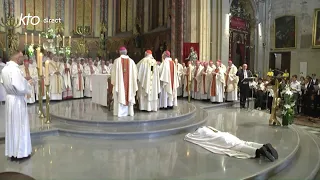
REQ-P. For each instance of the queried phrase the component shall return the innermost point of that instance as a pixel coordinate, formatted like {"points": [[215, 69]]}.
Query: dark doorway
{"points": [[284, 63]]}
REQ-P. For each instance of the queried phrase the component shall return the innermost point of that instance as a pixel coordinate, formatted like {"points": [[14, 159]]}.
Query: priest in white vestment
{"points": [[17, 138], [31, 75], [225, 143], [2, 90], [180, 77], [89, 70], [231, 82], [77, 79], [187, 80], [56, 70], [66, 74], [103, 69], [148, 83], [217, 83], [124, 81], [196, 81], [169, 82], [204, 81]]}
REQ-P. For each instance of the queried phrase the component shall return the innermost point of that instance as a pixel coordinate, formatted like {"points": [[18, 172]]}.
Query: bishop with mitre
{"points": [[149, 83], [77, 79], [124, 81], [56, 80], [89, 70], [231, 82], [169, 82]]}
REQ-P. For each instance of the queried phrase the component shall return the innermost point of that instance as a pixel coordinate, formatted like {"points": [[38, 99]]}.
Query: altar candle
{"points": [[39, 39], [40, 64], [25, 38], [62, 41], [31, 38], [69, 41], [46, 80]]}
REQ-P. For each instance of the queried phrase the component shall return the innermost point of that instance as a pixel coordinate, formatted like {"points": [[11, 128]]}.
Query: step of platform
{"points": [[136, 130], [306, 163]]}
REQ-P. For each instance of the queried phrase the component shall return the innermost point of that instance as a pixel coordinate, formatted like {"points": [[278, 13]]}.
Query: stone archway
{"points": [[242, 31]]}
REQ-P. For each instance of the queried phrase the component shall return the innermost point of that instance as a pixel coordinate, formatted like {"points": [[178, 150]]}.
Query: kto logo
{"points": [[35, 20]]}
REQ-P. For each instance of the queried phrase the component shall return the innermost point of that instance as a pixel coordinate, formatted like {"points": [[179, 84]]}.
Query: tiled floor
{"points": [[170, 157]]}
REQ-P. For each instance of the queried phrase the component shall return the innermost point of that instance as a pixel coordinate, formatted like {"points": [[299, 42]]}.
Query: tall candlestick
{"points": [[62, 41], [69, 41], [25, 38], [31, 38], [39, 39], [46, 80]]}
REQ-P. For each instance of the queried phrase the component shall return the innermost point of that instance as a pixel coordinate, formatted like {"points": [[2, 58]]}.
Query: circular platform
{"points": [[84, 111]]}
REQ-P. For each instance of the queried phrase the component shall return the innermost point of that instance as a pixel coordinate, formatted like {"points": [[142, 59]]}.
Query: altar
{"points": [[100, 89]]}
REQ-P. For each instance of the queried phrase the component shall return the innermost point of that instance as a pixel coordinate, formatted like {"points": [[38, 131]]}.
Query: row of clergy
{"points": [[73, 79], [68, 79], [158, 86]]}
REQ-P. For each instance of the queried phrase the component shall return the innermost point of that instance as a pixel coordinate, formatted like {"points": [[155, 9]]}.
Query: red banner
{"points": [[238, 23]]}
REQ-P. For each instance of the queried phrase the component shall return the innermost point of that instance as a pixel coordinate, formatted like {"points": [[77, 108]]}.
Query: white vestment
{"points": [[223, 143], [2, 90], [56, 80], [33, 73], [88, 79], [196, 82], [67, 88], [149, 84], [204, 82], [77, 80], [220, 82], [180, 79], [232, 83], [169, 83], [124, 96], [17, 140], [104, 69]]}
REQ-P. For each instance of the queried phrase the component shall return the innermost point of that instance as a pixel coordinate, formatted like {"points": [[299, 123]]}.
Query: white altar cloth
{"points": [[100, 89]]}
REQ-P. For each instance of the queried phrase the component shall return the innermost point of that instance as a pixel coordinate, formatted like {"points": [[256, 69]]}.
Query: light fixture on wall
{"points": [[260, 29]]}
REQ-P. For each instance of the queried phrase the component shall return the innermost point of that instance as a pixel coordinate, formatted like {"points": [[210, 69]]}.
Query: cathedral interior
{"points": [[85, 141]]}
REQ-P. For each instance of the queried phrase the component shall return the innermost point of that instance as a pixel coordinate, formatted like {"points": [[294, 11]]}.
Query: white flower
{"points": [[287, 106], [284, 112]]}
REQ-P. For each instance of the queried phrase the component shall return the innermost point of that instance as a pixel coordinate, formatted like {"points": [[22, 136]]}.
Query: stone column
{"points": [[179, 29], [204, 30], [67, 22], [110, 18], [224, 32], [2, 14], [17, 14], [97, 18], [193, 20], [146, 16], [173, 28], [214, 30]]}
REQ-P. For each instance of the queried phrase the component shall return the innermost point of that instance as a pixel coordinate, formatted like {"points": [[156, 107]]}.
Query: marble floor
{"points": [[170, 157]]}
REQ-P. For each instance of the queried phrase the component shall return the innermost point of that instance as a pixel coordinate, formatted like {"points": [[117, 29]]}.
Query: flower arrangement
{"points": [[50, 34], [287, 110], [30, 51], [68, 51]]}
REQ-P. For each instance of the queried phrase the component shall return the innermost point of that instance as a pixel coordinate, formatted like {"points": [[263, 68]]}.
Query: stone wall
{"points": [[304, 12]]}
